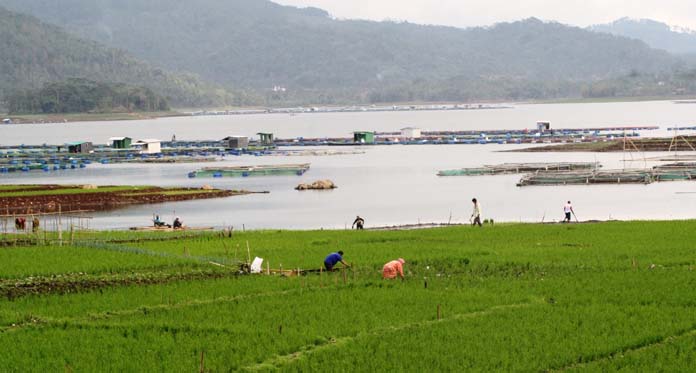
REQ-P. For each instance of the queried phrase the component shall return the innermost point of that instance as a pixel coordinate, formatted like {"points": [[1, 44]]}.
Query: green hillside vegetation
{"points": [[658, 35], [258, 45], [82, 96], [33, 53], [522, 297]]}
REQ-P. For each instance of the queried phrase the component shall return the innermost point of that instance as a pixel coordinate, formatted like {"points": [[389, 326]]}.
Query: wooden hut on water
{"points": [[80, 147], [149, 146], [411, 133], [364, 137], [265, 139], [121, 142], [236, 142]]}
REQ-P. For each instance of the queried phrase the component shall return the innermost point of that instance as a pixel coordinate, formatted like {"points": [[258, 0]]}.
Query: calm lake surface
{"points": [[386, 184]]}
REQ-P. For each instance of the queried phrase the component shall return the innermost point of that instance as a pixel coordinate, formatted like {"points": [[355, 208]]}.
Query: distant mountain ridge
{"points": [[310, 57], [659, 35], [35, 53]]}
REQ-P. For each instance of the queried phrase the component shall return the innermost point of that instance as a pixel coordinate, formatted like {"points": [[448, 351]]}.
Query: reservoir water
{"points": [[387, 185]]}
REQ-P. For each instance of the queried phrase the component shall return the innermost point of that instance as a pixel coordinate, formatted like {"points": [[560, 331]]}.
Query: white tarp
{"points": [[257, 265]]}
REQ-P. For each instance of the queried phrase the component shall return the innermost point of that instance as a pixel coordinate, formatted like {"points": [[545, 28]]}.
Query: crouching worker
{"points": [[393, 269], [333, 259]]}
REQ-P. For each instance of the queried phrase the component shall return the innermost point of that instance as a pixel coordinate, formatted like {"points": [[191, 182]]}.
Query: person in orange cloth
{"points": [[393, 269]]}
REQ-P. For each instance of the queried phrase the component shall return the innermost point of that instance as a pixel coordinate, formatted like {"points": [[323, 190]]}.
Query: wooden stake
{"points": [[321, 277], [202, 370], [268, 268], [72, 234], [248, 253], [438, 312], [344, 275]]}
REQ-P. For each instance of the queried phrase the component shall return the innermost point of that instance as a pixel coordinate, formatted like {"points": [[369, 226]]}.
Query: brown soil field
{"points": [[95, 200]]}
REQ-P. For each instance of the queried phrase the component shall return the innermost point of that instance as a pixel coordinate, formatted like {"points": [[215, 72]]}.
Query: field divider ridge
{"points": [[630, 349], [278, 361]]}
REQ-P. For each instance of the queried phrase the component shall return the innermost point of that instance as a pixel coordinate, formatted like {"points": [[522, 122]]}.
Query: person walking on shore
{"points": [[476, 214], [568, 210], [359, 223]]}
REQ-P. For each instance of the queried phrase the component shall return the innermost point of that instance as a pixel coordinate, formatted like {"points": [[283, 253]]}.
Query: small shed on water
{"points": [[121, 142], [149, 146], [80, 147], [364, 137], [411, 133], [236, 142], [265, 138]]}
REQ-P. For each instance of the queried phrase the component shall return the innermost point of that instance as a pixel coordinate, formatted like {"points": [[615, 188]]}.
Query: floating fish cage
{"points": [[246, 171], [42, 166], [588, 177], [517, 168], [675, 171]]}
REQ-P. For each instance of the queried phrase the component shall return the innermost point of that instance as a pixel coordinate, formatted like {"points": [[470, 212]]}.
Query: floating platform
{"points": [[671, 172], [588, 177], [675, 171], [246, 171], [518, 168]]}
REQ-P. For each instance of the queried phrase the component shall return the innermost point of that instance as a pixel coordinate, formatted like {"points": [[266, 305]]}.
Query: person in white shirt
{"points": [[568, 210], [476, 214]]}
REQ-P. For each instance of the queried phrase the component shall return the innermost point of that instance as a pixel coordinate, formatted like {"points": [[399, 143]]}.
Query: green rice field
{"points": [[617, 296]]}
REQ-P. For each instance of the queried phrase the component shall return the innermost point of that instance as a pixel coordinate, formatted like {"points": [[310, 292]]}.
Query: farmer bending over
{"points": [[333, 259], [393, 269]]}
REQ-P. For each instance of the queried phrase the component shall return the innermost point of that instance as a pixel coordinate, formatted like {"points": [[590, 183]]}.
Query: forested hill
{"points": [[33, 53], [656, 34], [259, 45]]}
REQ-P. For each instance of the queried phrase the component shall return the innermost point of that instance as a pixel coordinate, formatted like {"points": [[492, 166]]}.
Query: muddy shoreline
{"points": [[95, 200]]}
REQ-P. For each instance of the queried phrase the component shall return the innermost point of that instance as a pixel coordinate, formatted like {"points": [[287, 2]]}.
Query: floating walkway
{"points": [[518, 168], [246, 171]]}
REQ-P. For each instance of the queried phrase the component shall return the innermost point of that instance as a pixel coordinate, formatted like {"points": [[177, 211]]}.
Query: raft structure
{"points": [[518, 168], [668, 172], [247, 171]]}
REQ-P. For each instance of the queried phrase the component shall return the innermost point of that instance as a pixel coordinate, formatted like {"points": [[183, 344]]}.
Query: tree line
{"points": [[82, 96]]}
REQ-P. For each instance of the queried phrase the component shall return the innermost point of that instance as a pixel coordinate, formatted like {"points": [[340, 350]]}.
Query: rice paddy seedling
{"points": [[585, 297]]}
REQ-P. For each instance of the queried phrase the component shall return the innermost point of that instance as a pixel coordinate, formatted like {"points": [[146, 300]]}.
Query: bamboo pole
{"points": [[202, 366], [248, 253]]}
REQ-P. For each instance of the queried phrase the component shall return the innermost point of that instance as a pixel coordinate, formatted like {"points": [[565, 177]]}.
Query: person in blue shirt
{"points": [[333, 259]]}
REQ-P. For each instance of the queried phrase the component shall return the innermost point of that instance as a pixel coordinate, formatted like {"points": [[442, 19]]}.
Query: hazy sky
{"points": [[464, 13]]}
